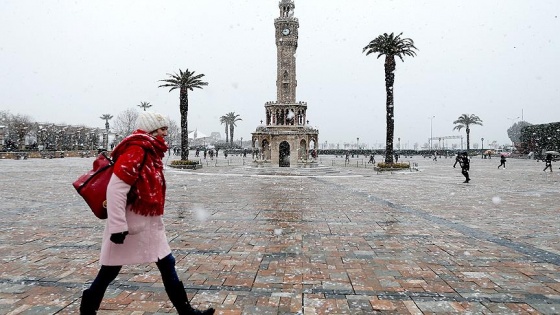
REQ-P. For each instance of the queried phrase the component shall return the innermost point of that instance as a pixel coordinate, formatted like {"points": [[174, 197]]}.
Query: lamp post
{"points": [[431, 133], [242, 142], [482, 155], [357, 143]]}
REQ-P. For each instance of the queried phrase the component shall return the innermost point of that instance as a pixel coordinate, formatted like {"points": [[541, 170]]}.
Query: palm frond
{"points": [[390, 45], [184, 79]]}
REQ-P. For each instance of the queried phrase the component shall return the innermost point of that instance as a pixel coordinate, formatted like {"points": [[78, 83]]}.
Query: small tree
{"points": [[106, 117], [145, 105], [514, 132], [232, 118]]}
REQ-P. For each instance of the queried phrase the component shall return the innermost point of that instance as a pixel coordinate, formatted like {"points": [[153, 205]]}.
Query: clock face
{"points": [[286, 31]]}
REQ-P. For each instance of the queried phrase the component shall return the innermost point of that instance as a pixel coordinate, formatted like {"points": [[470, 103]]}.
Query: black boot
{"points": [[90, 302], [178, 297]]}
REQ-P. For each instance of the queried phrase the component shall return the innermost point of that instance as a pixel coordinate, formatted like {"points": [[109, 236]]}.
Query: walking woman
{"points": [[134, 232]]}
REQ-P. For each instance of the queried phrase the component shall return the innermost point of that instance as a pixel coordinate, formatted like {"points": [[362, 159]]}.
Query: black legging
{"points": [[107, 274], [465, 173]]}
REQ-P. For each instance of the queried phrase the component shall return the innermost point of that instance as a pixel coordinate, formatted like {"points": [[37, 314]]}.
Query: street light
{"points": [[241, 142], [431, 134], [357, 143], [482, 155]]}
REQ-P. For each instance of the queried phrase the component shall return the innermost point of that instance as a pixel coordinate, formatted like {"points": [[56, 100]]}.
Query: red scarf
{"points": [[138, 163]]}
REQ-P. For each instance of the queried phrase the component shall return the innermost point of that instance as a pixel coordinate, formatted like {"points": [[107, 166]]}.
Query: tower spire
{"points": [[286, 8]]}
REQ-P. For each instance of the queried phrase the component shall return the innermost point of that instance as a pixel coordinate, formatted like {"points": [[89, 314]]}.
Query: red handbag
{"points": [[92, 186]]}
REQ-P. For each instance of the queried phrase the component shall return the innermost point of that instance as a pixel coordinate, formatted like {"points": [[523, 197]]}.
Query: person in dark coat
{"points": [[457, 160], [548, 162], [502, 161], [465, 166]]}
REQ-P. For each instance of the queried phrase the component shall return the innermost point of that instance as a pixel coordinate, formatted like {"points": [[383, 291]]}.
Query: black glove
{"points": [[118, 238]]}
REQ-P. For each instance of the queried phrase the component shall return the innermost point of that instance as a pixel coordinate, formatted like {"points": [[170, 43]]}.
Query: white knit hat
{"points": [[150, 121]]}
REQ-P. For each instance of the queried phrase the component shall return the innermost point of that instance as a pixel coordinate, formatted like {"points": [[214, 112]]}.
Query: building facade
{"points": [[285, 138]]}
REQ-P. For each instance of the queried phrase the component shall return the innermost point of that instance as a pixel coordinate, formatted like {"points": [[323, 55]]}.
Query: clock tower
{"points": [[286, 44], [285, 139]]}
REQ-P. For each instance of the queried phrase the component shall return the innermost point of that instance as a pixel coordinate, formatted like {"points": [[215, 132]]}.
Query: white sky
{"points": [[72, 61]]}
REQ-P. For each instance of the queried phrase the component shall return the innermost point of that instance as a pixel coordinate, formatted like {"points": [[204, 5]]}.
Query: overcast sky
{"points": [[72, 61]]}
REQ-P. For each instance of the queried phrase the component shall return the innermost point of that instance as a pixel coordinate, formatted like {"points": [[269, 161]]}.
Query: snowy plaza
{"points": [[324, 240]]}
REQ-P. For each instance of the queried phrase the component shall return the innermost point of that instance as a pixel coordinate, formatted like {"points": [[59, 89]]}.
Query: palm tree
{"points": [[231, 118], [224, 120], [184, 81], [390, 46], [106, 117], [145, 105], [465, 121]]}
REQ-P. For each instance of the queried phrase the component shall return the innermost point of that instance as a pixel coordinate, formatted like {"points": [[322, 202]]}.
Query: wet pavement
{"points": [[324, 240]]}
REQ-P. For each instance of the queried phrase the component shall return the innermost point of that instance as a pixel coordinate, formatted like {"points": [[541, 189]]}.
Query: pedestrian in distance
{"points": [[548, 162], [457, 160], [371, 159], [502, 161], [134, 230]]}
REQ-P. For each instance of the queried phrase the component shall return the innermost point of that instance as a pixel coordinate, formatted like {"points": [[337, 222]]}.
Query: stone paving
{"points": [[328, 240]]}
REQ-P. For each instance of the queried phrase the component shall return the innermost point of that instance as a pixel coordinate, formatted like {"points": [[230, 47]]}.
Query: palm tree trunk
{"points": [[389, 81], [226, 131], [468, 138], [184, 111], [231, 133]]}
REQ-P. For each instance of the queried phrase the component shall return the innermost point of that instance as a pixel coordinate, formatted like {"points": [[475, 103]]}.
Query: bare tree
{"points": [[125, 122], [4, 117], [19, 127], [173, 134]]}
